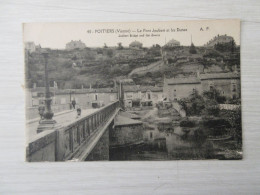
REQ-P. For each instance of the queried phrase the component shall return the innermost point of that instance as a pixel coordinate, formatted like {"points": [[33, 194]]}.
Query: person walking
{"points": [[73, 102]]}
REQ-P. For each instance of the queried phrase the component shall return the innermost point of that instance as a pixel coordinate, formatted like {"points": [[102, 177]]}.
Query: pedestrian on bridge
{"points": [[73, 103], [78, 112]]}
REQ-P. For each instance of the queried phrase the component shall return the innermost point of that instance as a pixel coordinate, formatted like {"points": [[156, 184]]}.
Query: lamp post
{"points": [[47, 123]]}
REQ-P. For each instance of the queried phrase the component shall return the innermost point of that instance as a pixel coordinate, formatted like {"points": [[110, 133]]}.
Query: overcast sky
{"points": [[56, 35]]}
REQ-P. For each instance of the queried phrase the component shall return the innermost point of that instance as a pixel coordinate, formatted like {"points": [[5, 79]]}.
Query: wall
{"points": [[224, 86], [42, 148], [101, 150], [123, 135], [182, 90]]}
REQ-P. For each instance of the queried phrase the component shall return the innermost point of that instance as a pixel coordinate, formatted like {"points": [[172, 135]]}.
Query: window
{"points": [[174, 93], [151, 134], [234, 88], [96, 96], [211, 88], [148, 95]]}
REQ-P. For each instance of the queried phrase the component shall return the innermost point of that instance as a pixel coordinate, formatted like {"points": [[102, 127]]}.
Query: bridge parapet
{"points": [[63, 143]]}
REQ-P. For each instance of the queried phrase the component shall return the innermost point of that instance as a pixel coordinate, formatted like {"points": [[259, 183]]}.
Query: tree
{"points": [[234, 118], [214, 94], [120, 46], [193, 49], [110, 53]]}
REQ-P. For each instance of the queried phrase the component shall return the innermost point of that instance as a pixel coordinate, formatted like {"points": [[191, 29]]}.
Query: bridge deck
{"points": [[63, 119]]}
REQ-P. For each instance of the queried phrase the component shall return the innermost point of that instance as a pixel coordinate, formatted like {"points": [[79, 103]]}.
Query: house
{"points": [[30, 46], [75, 45], [85, 98], [220, 39], [181, 87], [227, 83], [136, 44], [151, 95], [142, 96], [172, 43]]}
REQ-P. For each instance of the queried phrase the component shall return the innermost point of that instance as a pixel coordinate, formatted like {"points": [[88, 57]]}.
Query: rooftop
{"points": [[129, 115], [122, 121], [183, 80], [78, 91], [136, 88], [223, 75]]}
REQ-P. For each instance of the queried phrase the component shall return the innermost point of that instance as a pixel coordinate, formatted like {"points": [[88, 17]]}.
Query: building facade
{"points": [[136, 44], [142, 96], [172, 43], [219, 40], [178, 88], [85, 98], [228, 84], [75, 45]]}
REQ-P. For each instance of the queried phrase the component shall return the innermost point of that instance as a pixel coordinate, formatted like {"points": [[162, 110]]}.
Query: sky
{"points": [[56, 35]]}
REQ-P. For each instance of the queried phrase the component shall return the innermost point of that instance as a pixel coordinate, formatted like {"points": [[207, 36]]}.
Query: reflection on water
{"points": [[167, 144]]}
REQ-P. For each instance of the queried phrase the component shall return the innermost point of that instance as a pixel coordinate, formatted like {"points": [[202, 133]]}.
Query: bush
{"points": [[187, 123], [192, 49]]}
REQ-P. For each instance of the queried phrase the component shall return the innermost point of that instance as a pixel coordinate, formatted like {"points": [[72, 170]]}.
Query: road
{"points": [[62, 119]]}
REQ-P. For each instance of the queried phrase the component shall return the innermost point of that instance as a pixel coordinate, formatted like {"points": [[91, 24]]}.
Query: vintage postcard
{"points": [[133, 91]]}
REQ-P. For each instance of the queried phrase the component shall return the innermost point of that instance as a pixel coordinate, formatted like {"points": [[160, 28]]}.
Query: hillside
{"points": [[100, 66]]}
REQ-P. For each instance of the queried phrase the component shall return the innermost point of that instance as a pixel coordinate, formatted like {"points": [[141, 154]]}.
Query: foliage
{"points": [[187, 123], [234, 118], [226, 47], [212, 54], [214, 94], [120, 46]]}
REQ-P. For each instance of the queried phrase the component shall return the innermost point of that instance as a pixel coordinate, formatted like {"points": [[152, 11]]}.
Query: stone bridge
{"points": [[86, 138]]}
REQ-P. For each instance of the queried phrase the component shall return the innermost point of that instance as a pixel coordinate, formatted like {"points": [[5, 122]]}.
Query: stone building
{"points": [[85, 98], [136, 44], [75, 45], [219, 39], [127, 132], [228, 84], [182, 87], [141, 96], [172, 43]]}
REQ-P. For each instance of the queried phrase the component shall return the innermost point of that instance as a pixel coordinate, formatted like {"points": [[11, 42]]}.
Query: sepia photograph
{"points": [[133, 91]]}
